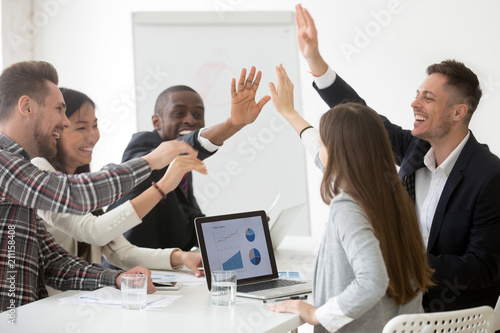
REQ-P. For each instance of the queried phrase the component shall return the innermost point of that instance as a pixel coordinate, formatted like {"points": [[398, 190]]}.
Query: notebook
{"points": [[242, 242]]}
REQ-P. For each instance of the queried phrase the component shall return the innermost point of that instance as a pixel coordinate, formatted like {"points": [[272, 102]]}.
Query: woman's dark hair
{"points": [[74, 100], [361, 163]]}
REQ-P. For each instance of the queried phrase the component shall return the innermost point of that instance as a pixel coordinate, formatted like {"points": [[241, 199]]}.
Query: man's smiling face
{"points": [[432, 110], [182, 113], [49, 122]]}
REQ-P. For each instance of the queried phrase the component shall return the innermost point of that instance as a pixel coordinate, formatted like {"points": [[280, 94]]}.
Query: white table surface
{"points": [[191, 313]]}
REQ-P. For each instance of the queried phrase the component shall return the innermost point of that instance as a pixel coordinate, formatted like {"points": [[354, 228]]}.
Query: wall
{"points": [[255, 166], [381, 47]]}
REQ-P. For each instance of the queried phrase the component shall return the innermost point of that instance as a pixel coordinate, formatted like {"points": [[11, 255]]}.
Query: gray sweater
{"points": [[350, 271]]}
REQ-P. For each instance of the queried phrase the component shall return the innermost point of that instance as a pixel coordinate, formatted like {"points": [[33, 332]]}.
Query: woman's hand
{"points": [[178, 168], [191, 260], [306, 311], [166, 152], [282, 95]]}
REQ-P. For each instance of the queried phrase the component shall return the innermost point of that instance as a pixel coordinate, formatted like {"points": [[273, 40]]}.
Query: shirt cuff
{"points": [[205, 143], [331, 317], [178, 266], [326, 79], [108, 277], [310, 140]]}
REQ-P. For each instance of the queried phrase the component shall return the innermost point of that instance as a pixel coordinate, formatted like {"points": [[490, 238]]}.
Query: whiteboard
{"points": [[204, 50]]}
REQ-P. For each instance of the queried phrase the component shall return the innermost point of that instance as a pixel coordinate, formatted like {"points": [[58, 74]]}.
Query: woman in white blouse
{"points": [[92, 235]]}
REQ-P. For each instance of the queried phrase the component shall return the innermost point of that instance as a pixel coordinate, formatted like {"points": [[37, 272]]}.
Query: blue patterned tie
{"points": [[409, 185], [184, 185]]}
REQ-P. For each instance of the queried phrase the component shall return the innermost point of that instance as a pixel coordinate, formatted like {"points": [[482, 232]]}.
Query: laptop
{"points": [[242, 242], [283, 223]]}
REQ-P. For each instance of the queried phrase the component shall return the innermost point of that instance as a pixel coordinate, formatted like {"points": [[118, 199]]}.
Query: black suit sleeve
{"points": [[338, 93], [341, 92]]}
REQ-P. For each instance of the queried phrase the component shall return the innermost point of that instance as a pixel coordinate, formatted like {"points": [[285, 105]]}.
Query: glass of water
{"points": [[134, 290], [224, 288]]}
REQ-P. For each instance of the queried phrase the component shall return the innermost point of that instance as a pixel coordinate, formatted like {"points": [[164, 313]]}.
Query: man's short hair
{"points": [[25, 78], [163, 97], [462, 81]]}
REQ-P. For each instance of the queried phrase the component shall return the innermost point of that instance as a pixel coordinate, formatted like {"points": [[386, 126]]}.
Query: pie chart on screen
{"points": [[254, 256], [250, 235]]}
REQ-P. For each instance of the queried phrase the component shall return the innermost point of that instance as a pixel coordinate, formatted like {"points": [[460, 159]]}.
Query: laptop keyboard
{"points": [[267, 285]]}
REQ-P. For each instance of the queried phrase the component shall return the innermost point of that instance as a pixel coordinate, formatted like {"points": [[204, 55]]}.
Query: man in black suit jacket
{"points": [[454, 179], [179, 115]]}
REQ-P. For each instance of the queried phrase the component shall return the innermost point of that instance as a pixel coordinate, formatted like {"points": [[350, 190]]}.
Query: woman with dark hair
{"points": [[371, 264], [92, 235]]}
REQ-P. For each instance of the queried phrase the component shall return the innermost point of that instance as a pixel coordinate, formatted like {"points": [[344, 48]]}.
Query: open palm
{"points": [[244, 109], [307, 36]]}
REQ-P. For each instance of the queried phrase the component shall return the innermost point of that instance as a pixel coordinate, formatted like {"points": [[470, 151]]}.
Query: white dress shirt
{"points": [[429, 185], [205, 143]]}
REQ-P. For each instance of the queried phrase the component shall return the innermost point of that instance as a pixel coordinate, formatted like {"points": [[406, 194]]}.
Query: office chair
{"points": [[497, 315], [474, 320]]}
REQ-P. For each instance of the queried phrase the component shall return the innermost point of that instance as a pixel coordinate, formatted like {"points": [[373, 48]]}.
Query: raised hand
{"points": [[244, 109], [282, 95], [307, 38]]}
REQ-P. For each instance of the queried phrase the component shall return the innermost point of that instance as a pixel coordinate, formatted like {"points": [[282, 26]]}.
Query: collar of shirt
{"points": [[449, 162], [7, 144]]}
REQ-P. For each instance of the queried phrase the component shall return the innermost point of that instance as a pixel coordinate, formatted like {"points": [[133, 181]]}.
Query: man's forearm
{"points": [[317, 65], [219, 133]]}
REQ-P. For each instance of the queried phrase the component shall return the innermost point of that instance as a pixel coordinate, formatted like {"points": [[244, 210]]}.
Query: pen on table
{"points": [[284, 299]]}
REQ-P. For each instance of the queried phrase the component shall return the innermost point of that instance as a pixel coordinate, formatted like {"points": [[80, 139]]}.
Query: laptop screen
{"points": [[239, 242]]}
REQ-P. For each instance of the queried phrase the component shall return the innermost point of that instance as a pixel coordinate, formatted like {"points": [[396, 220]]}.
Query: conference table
{"points": [[193, 312]]}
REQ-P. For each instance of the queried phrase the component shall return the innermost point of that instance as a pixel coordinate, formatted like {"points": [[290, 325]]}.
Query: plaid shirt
{"points": [[29, 257]]}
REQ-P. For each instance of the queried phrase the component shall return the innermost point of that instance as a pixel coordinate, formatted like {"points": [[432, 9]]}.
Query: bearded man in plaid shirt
{"points": [[32, 118]]}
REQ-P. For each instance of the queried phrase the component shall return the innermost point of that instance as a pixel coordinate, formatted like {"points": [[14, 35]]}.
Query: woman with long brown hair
{"points": [[371, 264]]}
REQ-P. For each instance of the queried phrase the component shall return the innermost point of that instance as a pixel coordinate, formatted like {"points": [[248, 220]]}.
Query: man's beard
{"points": [[44, 144]]}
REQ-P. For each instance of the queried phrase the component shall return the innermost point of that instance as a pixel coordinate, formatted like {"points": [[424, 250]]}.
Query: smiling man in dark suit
{"points": [[180, 115], [454, 180]]}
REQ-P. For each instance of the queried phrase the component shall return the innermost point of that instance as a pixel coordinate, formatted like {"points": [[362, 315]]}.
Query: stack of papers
{"points": [[113, 296], [186, 277]]}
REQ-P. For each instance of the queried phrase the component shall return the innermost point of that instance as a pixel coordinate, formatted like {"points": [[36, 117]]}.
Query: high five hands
{"points": [[282, 94], [244, 108]]}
